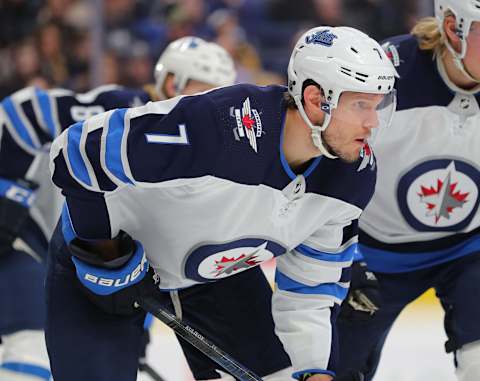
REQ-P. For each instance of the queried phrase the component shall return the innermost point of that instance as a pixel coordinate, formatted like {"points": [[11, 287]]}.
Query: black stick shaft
{"points": [[198, 340]]}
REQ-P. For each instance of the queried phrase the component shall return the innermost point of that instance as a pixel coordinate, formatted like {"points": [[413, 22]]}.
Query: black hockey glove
{"points": [[117, 285], [15, 201], [364, 298]]}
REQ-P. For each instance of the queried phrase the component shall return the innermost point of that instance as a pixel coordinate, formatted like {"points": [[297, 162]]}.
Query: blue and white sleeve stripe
{"points": [[76, 157], [19, 126], [114, 140], [47, 114], [312, 272], [334, 290]]}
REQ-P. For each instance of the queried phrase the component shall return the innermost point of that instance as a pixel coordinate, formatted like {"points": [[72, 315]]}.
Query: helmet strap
{"points": [[315, 130], [458, 57]]}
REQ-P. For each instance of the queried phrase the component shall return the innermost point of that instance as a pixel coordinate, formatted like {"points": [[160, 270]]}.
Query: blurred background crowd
{"points": [[56, 43]]}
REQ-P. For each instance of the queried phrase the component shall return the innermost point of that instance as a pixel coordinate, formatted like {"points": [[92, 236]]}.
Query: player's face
{"points": [[194, 87], [351, 124], [472, 57]]}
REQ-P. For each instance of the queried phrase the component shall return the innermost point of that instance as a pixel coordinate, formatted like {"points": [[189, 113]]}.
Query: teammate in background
{"points": [[30, 204], [421, 229], [205, 187]]}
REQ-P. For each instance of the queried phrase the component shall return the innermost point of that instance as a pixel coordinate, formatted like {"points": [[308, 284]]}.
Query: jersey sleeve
{"points": [[123, 150], [31, 118], [311, 282]]}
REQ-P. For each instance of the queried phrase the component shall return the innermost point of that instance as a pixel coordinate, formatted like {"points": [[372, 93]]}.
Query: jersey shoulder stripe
{"points": [[19, 126], [76, 157], [115, 159], [47, 114]]}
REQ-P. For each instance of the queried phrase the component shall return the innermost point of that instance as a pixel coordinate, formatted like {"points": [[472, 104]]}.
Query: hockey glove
{"points": [[364, 298], [15, 200], [117, 285]]}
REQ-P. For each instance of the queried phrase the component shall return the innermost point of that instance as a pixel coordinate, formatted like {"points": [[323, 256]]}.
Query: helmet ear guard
{"points": [[338, 59]]}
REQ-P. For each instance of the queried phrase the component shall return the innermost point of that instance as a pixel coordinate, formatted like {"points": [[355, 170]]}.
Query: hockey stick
{"points": [[196, 339]]}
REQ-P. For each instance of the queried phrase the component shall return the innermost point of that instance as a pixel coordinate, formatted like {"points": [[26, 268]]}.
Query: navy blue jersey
{"points": [[202, 183], [425, 208]]}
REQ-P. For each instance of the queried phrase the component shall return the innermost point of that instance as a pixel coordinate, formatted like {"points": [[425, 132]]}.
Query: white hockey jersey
{"points": [[202, 183], [425, 207], [29, 121]]}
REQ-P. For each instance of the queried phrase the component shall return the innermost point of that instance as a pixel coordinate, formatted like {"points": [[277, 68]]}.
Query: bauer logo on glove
{"points": [[107, 281]]}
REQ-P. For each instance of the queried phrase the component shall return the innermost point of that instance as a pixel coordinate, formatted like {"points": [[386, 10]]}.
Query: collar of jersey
{"points": [[285, 164]]}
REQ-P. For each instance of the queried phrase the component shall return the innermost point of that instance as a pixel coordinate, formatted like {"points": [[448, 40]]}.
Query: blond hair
{"points": [[429, 36]]}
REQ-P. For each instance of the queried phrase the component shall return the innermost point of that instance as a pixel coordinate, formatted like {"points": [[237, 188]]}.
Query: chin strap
{"points": [[316, 130], [458, 57]]}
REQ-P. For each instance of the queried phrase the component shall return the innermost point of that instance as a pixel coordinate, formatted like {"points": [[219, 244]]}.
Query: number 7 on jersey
{"points": [[181, 138]]}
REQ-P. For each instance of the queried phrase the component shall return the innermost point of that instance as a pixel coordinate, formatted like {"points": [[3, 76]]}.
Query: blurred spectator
{"points": [[48, 42], [25, 61], [111, 69], [139, 66], [17, 20], [231, 36], [52, 54]]}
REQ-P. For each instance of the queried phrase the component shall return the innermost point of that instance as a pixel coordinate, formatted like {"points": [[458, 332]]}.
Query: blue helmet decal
{"points": [[324, 37]]}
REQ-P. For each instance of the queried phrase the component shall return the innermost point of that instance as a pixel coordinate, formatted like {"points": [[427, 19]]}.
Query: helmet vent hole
{"points": [[346, 71], [353, 49], [379, 87], [361, 77]]}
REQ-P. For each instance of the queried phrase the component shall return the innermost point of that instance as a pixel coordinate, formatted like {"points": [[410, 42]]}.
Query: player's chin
{"points": [[350, 155]]}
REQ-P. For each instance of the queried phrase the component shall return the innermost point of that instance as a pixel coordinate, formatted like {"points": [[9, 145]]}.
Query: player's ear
{"points": [[313, 96], [169, 86], [450, 29]]}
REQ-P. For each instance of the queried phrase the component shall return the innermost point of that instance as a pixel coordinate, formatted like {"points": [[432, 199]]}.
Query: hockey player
{"points": [[206, 187], [421, 229], [30, 204]]}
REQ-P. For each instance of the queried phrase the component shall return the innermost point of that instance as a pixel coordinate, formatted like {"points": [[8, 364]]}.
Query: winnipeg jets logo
{"points": [[324, 37], [439, 195], [249, 124], [366, 154], [230, 265], [219, 260], [443, 198]]}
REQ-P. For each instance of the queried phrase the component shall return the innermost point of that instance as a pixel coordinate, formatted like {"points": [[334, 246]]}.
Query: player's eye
{"points": [[362, 105]]}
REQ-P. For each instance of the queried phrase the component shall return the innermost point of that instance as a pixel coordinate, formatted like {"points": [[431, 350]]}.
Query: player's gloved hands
{"points": [[364, 298], [115, 289]]}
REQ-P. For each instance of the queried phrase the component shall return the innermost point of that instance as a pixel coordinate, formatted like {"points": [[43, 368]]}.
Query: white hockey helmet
{"points": [[339, 59], [465, 12], [194, 58]]}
